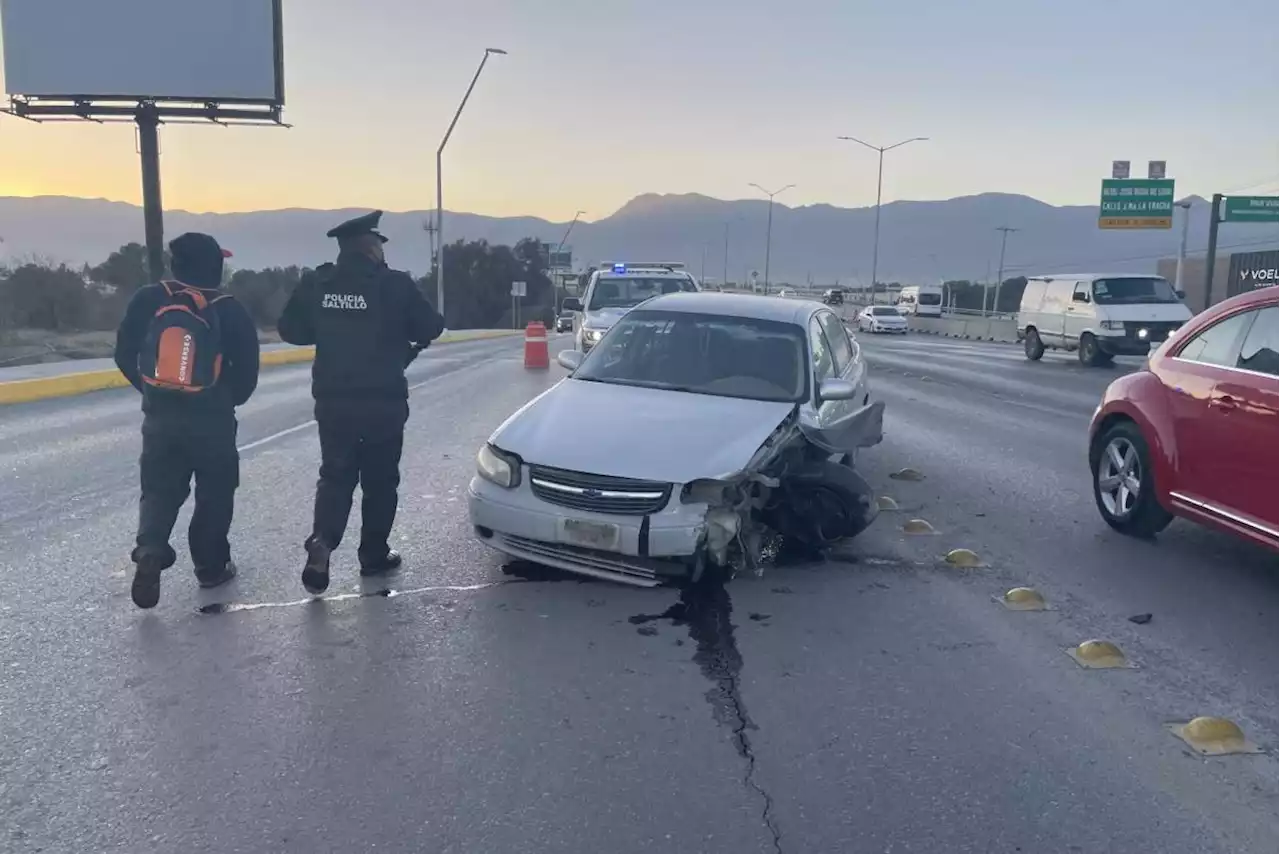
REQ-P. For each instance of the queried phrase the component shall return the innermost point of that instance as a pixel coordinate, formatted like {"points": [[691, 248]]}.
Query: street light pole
{"points": [[556, 285], [1182, 245], [724, 283], [1004, 239], [881, 149], [440, 186], [768, 237]]}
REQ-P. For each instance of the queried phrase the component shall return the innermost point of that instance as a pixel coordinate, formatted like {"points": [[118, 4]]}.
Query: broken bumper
{"points": [[642, 550]]}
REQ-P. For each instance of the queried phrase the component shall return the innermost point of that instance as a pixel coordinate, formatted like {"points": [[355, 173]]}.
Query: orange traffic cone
{"points": [[535, 346]]}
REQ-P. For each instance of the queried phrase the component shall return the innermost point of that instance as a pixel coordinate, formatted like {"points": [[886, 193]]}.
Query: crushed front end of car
{"points": [[801, 485]]}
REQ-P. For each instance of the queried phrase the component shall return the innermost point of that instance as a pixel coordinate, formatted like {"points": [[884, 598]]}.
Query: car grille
{"points": [[598, 493], [615, 567]]}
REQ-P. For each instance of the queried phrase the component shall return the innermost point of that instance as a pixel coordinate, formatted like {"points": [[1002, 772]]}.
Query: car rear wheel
{"points": [[1123, 485], [1032, 345]]}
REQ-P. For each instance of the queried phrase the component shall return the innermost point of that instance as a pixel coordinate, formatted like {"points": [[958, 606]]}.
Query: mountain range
{"points": [[920, 241]]}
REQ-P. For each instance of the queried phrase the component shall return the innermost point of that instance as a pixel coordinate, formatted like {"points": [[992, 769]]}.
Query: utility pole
{"points": [[555, 285], [1004, 239], [725, 282], [768, 239], [1182, 246], [881, 149], [1211, 257]]}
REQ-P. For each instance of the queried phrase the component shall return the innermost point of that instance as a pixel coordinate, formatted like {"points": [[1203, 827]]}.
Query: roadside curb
{"points": [[68, 385]]}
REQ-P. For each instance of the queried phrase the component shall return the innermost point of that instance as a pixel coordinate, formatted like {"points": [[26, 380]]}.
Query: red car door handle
{"points": [[1225, 402]]}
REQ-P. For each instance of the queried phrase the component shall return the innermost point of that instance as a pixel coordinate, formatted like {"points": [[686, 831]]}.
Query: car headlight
{"points": [[592, 335], [1111, 324], [497, 467], [1144, 334]]}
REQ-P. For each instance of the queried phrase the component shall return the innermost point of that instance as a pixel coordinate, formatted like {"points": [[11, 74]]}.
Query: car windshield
{"points": [[931, 299], [702, 354], [884, 311], [1133, 290], [626, 291]]}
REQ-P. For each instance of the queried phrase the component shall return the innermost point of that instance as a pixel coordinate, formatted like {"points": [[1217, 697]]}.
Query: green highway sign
{"points": [[1136, 203], [1251, 209]]}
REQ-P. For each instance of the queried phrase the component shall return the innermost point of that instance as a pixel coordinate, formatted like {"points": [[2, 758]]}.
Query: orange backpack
{"points": [[183, 350]]}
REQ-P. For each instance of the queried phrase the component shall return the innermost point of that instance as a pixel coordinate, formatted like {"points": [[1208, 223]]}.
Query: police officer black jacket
{"points": [[366, 320]]}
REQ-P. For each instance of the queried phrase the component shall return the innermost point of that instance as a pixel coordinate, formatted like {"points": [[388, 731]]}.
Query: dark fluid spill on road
{"points": [[707, 612]]}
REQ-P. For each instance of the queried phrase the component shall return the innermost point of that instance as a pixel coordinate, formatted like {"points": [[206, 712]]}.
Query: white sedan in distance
{"points": [[882, 318], [701, 428]]}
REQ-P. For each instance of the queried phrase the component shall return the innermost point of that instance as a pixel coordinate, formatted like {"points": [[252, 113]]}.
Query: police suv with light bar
{"points": [[615, 289]]}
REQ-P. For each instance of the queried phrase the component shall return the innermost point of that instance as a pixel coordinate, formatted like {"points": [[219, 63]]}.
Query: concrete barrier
{"points": [[79, 382], [999, 329]]}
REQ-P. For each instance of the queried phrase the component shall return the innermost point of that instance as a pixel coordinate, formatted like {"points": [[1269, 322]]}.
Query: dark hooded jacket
{"points": [[365, 321], [240, 351]]}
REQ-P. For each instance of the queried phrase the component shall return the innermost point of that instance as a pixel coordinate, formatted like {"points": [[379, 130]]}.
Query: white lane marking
{"points": [[274, 436], [231, 607]]}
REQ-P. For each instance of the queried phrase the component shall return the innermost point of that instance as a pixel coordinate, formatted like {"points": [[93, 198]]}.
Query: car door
{"points": [[1078, 314], [1244, 403], [1201, 430]]}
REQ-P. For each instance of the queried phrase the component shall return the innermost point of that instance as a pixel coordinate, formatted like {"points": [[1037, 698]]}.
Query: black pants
{"points": [[175, 449], [360, 442]]}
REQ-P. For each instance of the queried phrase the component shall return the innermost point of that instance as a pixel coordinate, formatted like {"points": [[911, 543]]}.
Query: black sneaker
{"points": [[390, 562], [315, 575], [217, 577], [146, 581]]}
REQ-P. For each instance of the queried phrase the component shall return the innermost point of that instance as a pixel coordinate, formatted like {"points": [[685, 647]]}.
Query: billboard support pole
{"points": [[1211, 257], [152, 207]]}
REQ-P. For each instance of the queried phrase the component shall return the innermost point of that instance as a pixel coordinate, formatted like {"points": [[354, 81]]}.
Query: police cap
{"points": [[365, 224]]}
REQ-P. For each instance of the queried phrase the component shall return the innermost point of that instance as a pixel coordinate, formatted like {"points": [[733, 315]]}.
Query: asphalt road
{"points": [[881, 702]]}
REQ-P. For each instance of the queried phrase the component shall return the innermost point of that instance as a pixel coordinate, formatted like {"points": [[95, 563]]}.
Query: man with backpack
{"points": [[192, 351], [368, 323]]}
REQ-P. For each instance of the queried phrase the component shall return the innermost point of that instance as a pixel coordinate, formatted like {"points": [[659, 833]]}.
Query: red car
{"points": [[1194, 434]]}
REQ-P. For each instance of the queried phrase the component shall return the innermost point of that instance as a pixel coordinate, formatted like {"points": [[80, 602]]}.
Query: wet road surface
{"points": [[876, 702]]}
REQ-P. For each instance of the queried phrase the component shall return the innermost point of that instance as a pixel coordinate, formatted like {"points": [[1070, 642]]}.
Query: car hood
{"points": [[888, 319], [640, 433], [602, 318]]}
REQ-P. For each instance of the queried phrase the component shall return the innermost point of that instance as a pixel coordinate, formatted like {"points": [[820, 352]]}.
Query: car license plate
{"points": [[592, 535]]}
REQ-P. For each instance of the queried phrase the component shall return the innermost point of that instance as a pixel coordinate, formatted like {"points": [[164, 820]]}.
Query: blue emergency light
{"points": [[619, 268]]}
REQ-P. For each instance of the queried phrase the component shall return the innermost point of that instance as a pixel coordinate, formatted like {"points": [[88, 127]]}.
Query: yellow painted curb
{"points": [[67, 385], [1023, 599], [1099, 655], [1214, 737]]}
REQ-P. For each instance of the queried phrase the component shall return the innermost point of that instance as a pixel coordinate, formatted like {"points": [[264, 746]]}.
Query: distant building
{"points": [[1232, 274]]}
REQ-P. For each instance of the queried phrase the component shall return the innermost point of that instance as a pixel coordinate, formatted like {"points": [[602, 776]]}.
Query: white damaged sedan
{"points": [[698, 425]]}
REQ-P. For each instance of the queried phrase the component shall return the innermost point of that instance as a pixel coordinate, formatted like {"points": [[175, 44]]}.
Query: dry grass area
{"points": [[38, 346]]}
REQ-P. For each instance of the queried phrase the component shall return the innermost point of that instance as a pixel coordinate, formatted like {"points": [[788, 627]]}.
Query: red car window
{"points": [[1261, 349], [1220, 343]]}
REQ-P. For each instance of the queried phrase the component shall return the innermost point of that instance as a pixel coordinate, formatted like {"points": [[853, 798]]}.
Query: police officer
{"points": [[367, 322]]}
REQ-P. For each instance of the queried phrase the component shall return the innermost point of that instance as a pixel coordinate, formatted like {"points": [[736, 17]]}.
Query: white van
{"points": [[920, 300], [1099, 316]]}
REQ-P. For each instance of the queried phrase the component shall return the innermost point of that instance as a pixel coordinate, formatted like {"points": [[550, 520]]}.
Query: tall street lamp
{"points": [[875, 246], [768, 238], [440, 186]]}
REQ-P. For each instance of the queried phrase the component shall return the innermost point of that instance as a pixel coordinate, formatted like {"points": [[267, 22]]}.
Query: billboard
{"points": [[176, 50], [1253, 270]]}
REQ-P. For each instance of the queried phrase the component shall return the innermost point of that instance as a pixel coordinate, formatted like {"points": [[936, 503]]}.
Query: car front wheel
{"points": [[1032, 345], [1123, 484]]}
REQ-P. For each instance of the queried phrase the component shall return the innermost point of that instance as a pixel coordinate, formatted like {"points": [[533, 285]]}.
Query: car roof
{"points": [[1089, 277], [644, 273], [751, 306]]}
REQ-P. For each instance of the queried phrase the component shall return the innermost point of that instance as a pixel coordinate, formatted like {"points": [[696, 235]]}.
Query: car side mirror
{"points": [[1180, 294], [1079, 297], [570, 359], [571, 304], [836, 389]]}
